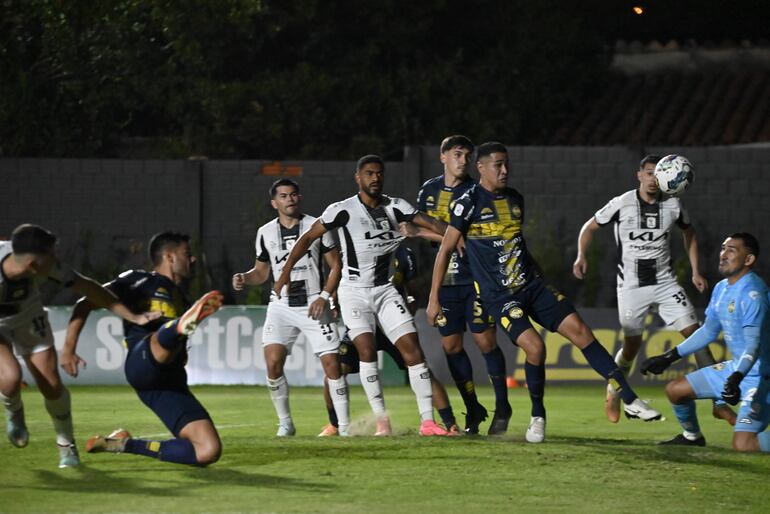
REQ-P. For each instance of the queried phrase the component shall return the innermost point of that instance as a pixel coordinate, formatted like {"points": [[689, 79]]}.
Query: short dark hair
{"points": [[488, 148], [649, 159], [32, 239], [450, 142], [163, 241], [749, 242], [282, 182], [366, 159]]}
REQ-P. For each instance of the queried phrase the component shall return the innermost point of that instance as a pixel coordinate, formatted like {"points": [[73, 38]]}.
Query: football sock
{"points": [[60, 411], [764, 441], [601, 361], [338, 389], [687, 417], [12, 404], [333, 417], [535, 375], [462, 373], [623, 364], [279, 394], [168, 337], [496, 369], [447, 417], [419, 379], [370, 380], [179, 451]]}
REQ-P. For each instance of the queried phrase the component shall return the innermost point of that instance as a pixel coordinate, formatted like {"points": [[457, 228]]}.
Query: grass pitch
{"points": [[585, 465]]}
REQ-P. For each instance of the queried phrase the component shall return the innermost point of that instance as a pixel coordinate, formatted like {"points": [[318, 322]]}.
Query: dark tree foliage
{"points": [[289, 78]]}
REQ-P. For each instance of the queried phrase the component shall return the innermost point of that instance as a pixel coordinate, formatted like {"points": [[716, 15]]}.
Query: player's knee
{"points": [[674, 391], [274, 369], [741, 444], [208, 453]]}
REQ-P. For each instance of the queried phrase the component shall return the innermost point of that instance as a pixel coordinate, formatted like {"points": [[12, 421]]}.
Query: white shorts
{"points": [[364, 308], [283, 325], [672, 302], [27, 337]]}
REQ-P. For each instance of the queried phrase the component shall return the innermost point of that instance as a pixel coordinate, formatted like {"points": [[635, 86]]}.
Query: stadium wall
{"points": [[105, 210]]}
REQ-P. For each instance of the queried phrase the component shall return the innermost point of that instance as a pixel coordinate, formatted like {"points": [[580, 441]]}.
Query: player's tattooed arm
{"points": [[317, 229], [691, 247], [580, 266]]}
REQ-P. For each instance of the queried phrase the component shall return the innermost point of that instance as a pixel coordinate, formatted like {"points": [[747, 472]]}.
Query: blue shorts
{"points": [[349, 355], [462, 306], [544, 304], [163, 388], [753, 416]]}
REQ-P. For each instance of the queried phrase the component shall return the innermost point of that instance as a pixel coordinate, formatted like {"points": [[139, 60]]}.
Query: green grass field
{"points": [[586, 464]]}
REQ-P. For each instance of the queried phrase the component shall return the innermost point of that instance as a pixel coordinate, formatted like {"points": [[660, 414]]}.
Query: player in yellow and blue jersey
{"points": [[739, 308], [490, 216]]}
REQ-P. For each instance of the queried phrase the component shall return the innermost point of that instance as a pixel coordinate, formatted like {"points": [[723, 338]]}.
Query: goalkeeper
{"points": [[738, 307]]}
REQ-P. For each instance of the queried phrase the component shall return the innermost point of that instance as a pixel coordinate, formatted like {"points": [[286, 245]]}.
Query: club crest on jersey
{"points": [[384, 224], [516, 211], [430, 201], [731, 306], [458, 210], [515, 313], [290, 243], [651, 221]]}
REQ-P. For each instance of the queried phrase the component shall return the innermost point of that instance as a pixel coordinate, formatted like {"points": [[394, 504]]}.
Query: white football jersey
{"points": [[20, 300], [368, 237], [642, 233], [274, 243]]}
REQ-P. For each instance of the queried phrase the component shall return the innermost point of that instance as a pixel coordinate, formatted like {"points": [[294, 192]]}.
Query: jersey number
{"points": [[680, 297]]}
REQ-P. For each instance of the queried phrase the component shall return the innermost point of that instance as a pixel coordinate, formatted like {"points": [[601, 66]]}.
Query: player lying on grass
{"points": [[26, 262], [739, 308], [157, 354]]}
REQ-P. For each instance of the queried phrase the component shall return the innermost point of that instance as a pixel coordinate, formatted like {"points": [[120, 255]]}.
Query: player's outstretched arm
{"points": [[697, 340], [427, 227], [691, 247], [580, 267], [102, 297], [255, 276], [70, 360], [333, 260], [298, 250], [452, 237]]}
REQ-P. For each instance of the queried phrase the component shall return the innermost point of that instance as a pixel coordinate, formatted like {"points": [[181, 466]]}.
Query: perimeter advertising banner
{"points": [[227, 349]]}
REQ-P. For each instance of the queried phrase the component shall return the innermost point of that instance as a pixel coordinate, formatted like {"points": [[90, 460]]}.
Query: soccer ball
{"points": [[674, 174]]}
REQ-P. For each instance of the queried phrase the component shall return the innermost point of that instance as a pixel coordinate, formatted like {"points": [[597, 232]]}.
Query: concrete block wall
{"points": [[105, 210]]}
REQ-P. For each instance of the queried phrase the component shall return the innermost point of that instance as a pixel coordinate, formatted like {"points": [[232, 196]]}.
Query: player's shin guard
{"points": [[168, 337], [279, 394], [60, 411], [370, 380], [687, 417], [462, 373], [179, 451], [496, 369], [601, 361], [535, 375], [338, 389], [419, 379]]}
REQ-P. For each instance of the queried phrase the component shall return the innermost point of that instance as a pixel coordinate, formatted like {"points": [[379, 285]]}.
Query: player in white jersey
{"points": [[642, 221], [368, 228], [26, 262], [304, 307]]}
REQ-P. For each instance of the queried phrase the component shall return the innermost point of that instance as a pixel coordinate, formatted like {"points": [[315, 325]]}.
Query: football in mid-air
{"points": [[674, 174]]}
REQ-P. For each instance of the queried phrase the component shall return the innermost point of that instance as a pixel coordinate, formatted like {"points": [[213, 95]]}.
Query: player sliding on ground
{"points": [[368, 226], [490, 217], [157, 354]]}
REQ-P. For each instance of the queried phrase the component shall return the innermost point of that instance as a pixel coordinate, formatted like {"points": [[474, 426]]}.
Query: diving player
{"points": [[157, 354], [642, 220], [490, 216], [739, 308], [303, 309], [458, 297], [368, 227], [26, 262]]}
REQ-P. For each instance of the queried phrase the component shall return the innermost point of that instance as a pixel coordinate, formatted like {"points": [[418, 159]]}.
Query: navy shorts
{"points": [[163, 388], [349, 355], [544, 304], [461, 306]]}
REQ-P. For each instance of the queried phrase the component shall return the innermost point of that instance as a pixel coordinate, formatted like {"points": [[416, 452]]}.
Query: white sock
{"points": [[279, 394], [12, 404], [338, 390], [623, 364], [419, 379], [60, 411], [370, 380], [692, 436]]}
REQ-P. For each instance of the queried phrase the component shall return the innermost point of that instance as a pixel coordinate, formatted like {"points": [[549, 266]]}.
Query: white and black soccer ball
{"points": [[674, 174]]}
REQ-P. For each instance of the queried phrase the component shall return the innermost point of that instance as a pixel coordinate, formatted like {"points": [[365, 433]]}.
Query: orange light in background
{"points": [[638, 10]]}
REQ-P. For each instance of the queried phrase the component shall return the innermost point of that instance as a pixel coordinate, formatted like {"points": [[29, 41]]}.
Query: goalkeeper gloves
{"points": [[732, 391], [658, 364]]}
